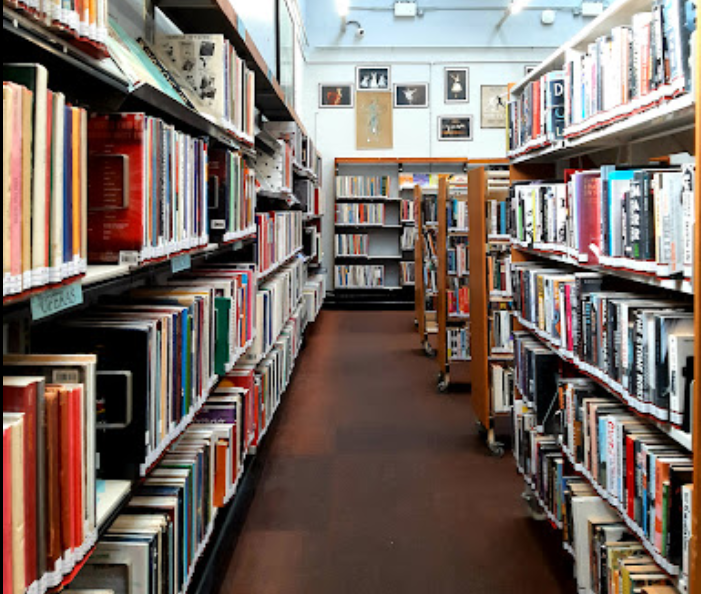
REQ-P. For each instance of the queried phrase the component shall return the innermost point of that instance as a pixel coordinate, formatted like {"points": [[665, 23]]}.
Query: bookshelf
{"points": [[390, 238], [640, 131], [227, 266]]}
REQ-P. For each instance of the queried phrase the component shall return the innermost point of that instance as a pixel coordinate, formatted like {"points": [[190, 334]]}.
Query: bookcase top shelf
{"points": [[100, 84], [219, 17], [620, 13]]}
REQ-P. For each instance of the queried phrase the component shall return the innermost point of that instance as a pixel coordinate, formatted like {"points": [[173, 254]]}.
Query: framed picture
{"points": [[411, 96], [374, 78], [337, 96], [457, 85], [529, 69], [494, 106], [374, 121], [455, 128]]}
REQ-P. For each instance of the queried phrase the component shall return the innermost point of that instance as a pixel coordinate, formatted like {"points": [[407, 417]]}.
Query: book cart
{"points": [[99, 85], [667, 127], [486, 186]]}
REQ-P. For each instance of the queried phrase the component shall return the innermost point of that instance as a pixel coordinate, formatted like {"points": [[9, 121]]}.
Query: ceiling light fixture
{"points": [[517, 6]]}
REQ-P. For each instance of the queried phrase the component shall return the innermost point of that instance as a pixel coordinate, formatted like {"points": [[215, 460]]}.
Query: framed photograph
{"points": [[374, 121], [374, 78], [455, 128], [411, 96], [457, 85], [494, 106], [337, 96]]}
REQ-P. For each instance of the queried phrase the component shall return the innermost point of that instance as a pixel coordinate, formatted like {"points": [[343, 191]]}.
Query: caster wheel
{"points": [[497, 450], [443, 384], [429, 351]]}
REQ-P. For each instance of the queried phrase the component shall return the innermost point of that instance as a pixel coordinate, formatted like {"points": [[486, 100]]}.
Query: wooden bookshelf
{"points": [[442, 273], [425, 321]]}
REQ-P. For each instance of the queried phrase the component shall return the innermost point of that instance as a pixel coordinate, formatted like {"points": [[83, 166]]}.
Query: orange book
{"points": [[78, 479], [220, 483], [77, 186]]}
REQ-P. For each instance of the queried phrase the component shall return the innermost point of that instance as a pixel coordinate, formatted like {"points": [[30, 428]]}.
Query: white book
{"points": [[689, 222], [681, 356]]}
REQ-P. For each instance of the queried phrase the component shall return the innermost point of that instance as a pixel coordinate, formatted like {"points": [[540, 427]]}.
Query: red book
{"points": [[630, 475], [117, 186], [67, 470], [6, 511], [25, 395], [247, 381], [587, 198], [54, 548], [220, 483], [78, 484]]}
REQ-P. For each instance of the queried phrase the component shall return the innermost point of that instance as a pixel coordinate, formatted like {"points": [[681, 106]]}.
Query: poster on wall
{"points": [[457, 85], [455, 128], [374, 78], [336, 95], [411, 96], [494, 106], [374, 121]]}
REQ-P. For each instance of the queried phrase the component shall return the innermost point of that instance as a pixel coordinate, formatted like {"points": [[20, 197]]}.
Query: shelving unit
{"points": [[643, 131], [100, 86]]}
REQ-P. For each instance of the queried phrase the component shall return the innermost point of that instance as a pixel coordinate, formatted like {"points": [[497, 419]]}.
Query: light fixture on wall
{"points": [[517, 6], [406, 9], [343, 8]]}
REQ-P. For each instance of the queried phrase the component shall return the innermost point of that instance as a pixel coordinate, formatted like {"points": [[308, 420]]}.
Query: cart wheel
{"points": [[535, 513], [429, 350], [416, 323], [443, 383], [497, 450]]}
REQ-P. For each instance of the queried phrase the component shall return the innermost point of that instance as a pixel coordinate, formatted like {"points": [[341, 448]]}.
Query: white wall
{"points": [[415, 130]]}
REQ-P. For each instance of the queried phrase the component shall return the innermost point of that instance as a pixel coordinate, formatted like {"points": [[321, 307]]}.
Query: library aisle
{"points": [[372, 486]]}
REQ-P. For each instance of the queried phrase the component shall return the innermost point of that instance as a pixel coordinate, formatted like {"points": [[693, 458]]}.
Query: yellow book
{"points": [[6, 201], [77, 187], [27, 168]]}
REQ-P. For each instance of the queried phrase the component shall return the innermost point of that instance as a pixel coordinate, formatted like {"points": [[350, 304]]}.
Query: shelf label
{"points": [[55, 301], [181, 263]]}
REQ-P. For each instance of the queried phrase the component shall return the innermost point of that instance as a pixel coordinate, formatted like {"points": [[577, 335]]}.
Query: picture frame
{"points": [[373, 78], [494, 106], [529, 69], [411, 96], [457, 84], [455, 128], [374, 121], [336, 96]]}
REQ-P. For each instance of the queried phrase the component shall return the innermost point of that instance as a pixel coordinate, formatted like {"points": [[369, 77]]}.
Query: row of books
{"points": [[460, 343], [232, 196], [360, 214], [276, 171], [313, 244], [637, 219], [408, 211], [363, 187], [501, 339], [408, 274], [49, 486], [458, 214], [148, 189], [84, 22], [499, 282], [277, 299], [498, 218], [408, 239], [216, 81], [458, 296], [160, 349], [638, 467], [45, 189], [352, 245], [315, 294], [641, 347], [309, 194], [631, 69], [360, 277], [303, 150], [608, 554], [458, 256], [502, 388], [280, 235]]}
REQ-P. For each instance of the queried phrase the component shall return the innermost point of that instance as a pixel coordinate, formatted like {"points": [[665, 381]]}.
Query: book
{"points": [[13, 423]]}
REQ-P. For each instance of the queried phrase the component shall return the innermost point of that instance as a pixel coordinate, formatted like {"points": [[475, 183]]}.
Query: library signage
{"points": [[56, 301]]}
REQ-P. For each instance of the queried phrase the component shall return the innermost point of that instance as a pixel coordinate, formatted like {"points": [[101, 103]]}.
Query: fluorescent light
{"points": [[518, 5], [343, 7]]}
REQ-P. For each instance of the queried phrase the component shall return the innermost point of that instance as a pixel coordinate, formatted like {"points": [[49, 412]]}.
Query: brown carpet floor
{"points": [[375, 484]]}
